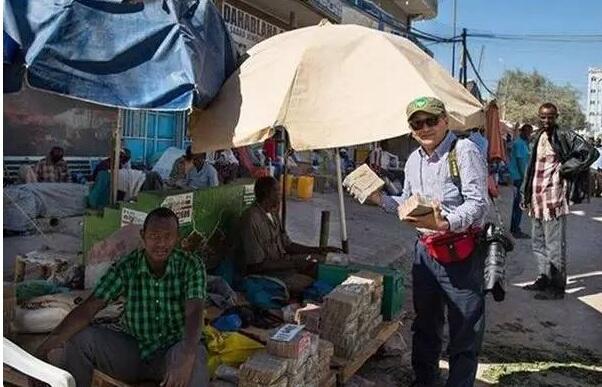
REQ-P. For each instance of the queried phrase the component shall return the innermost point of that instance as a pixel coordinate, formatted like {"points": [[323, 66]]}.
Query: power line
{"points": [[484, 32], [428, 36], [541, 38], [477, 73], [552, 38]]}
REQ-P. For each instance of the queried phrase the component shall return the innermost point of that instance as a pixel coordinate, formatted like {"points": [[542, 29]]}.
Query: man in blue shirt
{"points": [[202, 175], [481, 142], [518, 165], [458, 206]]}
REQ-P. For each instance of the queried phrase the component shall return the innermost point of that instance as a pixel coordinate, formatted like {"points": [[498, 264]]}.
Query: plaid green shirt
{"points": [[154, 307]]}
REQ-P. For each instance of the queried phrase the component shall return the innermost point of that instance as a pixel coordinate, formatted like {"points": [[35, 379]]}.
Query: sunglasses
{"points": [[419, 124]]}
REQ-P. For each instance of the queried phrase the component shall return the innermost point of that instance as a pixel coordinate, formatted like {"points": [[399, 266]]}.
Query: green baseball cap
{"points": [[429, 105]]}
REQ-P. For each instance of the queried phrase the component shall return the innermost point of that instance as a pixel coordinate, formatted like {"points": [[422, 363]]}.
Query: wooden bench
{"points": [[346, 368], [79, 165]]}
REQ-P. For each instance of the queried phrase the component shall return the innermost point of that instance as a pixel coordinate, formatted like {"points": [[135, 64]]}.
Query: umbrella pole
{"points": [[344, 241], [116, 159], [283, 177]]}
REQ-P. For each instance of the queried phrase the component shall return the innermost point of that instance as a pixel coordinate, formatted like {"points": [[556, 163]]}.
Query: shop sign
{"points": [[181, 205], [247, 29], [332, 7], [129, 216]]}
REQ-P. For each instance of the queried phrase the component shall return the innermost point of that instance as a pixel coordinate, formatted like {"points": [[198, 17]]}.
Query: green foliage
{"points": [[521, 94]]}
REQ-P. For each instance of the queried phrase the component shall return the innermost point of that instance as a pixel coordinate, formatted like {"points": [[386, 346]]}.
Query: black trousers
{"points": [[459, 287]]}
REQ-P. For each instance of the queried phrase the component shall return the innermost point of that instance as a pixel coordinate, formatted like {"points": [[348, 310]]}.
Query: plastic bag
{"points": [[231, 349], [35, 288]]}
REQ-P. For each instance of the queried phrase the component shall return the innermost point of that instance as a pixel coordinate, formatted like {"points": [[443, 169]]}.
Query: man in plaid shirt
{"points": [[164, 291], [52, 169], [558, 157]]}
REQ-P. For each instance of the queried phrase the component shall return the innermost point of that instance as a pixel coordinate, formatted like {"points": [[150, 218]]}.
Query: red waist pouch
{"points": [[451, 247]]}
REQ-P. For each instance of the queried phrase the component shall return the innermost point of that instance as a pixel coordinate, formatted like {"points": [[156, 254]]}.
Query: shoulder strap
{"points": [[454, 169]]}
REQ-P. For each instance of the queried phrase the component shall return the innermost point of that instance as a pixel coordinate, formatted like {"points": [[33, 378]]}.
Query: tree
{"points": [[521, 94]]}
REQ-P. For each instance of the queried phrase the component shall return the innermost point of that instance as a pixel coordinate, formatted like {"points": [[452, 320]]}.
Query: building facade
{"points": [[87, 127], [594, 101], [251, 21]]}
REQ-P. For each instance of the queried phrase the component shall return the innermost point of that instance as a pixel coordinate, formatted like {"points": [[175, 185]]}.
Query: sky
{"points": [[563, 63]]}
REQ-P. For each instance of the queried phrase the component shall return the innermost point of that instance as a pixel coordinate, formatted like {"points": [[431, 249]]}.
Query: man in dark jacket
{"points": [[559, 163]]}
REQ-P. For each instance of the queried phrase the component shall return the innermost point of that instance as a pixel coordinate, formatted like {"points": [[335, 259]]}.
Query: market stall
{"points": [[260, 335]]}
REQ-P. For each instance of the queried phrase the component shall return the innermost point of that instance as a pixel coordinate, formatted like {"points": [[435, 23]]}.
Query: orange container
{"points": [[291, 185], [305, 187]]}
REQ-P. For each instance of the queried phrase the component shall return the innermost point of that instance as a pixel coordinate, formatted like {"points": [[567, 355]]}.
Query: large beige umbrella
{"points": [[329, 86]]}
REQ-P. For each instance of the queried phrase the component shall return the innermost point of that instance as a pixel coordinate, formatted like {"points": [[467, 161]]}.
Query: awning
{"points": [[161, 55]]}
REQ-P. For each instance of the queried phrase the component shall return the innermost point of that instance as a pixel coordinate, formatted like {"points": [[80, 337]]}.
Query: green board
{"points": [[212, 208]]}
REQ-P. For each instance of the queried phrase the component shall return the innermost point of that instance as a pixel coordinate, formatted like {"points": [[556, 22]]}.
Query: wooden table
{"points": [[346, 368]]}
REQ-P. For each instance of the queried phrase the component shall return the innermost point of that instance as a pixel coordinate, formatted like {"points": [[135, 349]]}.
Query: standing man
{"points": [[480, 141], [518, 167], [596, 172], [164, 291], [557, 158], [459, 206], [53, 168]]}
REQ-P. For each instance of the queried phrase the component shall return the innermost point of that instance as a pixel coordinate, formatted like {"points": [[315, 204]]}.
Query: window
{"points": [[145, 133]]}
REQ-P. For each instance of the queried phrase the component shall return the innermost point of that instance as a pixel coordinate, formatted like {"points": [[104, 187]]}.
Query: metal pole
{"points": [[116, 159], [453, 73], [481, 58], [324, 228], [344, 242], [464, 69], [284, 193], [283, 138]]}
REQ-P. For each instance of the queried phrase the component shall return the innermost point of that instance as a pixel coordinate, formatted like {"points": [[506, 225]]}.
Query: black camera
{"points": [[497, 244]]}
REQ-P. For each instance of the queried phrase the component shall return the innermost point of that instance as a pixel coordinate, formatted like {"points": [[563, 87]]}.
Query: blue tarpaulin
{"points": [[151, 54]]}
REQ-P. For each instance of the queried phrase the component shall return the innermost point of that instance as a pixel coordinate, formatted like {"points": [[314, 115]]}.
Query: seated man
{"points": [[164, 291], [202, 175], [52, 169], [181, 167], [226, 164], [106, 165], [266, 249]]}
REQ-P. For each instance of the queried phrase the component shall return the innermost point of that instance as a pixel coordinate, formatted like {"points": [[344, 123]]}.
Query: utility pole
{"points": [[481, 58], [453, 74], [464, 54]]}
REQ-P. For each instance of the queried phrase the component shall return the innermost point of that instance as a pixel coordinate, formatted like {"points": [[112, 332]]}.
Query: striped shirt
{"points": [[548, 200], [49, 172], [154, 307], [429, 177]]}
